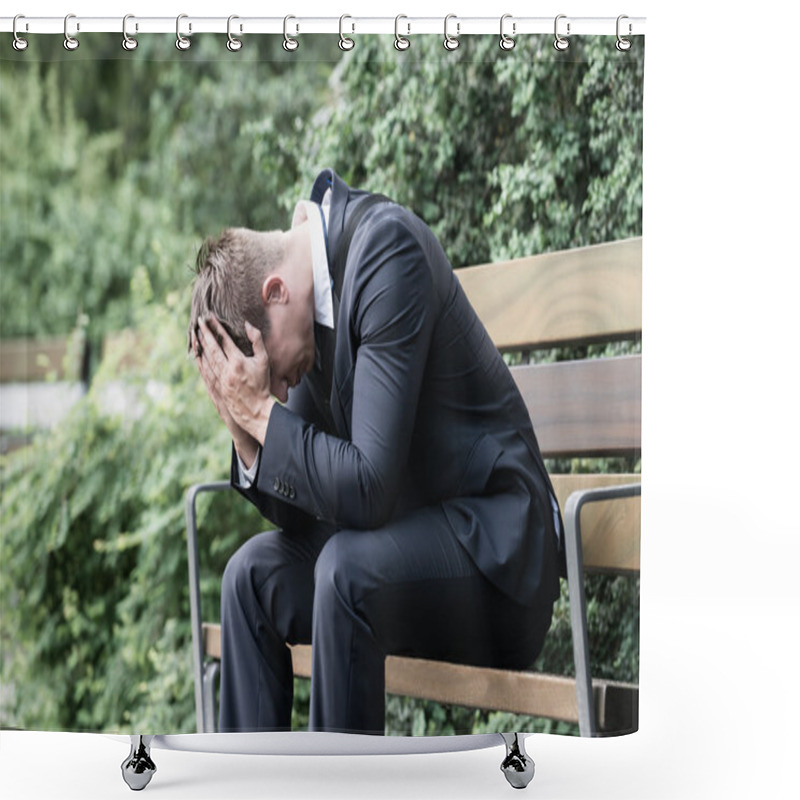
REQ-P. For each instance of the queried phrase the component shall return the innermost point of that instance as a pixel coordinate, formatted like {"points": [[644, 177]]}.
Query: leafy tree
{"points": [[94, 580], [93, 187]]}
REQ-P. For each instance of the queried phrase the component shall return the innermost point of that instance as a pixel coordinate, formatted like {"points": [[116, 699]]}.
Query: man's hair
{"points": [[230, 271]]}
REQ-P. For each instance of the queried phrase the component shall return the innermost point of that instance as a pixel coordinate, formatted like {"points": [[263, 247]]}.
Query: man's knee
{"points": [[251, 565], [237, 579], [339, 574]]}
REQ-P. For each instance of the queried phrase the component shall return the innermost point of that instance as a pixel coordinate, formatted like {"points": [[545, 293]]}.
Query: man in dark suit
{"points": [[376, 425]]}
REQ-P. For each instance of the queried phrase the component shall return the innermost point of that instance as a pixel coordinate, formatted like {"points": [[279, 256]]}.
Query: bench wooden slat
{"points": [[551, 696], [585, 408], [534, 693], [587, 294], [610, 529]]}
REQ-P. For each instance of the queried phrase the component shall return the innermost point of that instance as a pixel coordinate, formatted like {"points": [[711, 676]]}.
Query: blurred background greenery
{"points": [[113, 168]]}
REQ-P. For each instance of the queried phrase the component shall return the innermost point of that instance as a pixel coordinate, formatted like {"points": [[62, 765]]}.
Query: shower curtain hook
{"points": [[401, 42], [19, 44], [234, 44], [182, 43], [623, 44], [70, 43], [560, 42], [451, 42], [506, 42], [289, 44], [345, 42], [128, 42]]}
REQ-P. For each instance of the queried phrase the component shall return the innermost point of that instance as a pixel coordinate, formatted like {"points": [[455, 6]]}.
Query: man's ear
{"points": [[274, 290]]}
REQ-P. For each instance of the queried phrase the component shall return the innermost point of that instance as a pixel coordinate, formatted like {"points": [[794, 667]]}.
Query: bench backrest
{"points": [[580, 408]]}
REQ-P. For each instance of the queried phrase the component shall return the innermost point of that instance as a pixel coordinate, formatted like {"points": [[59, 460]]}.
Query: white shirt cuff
{"points": [[246, 476]]}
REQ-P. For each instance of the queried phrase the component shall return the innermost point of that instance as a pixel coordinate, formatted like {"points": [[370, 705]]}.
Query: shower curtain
{"points": [[115, 163]]}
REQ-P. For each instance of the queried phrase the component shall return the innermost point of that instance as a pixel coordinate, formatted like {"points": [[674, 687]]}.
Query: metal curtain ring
{"points": [[181, 42], [506, 42], [19, 44], [400, 42], [289, 44], [560, 42], [128, 42], [234, 44], [623, 44], [345, 42], [451, 42], [70, 43]]}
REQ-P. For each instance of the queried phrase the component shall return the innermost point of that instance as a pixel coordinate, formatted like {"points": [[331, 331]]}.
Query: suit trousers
{"points": [[408, 588]]}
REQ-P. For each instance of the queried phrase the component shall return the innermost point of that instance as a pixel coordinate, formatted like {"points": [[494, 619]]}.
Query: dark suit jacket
{"points": [[410, 405]]}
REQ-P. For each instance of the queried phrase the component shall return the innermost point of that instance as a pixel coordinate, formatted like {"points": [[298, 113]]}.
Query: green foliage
{"points": [[302, 696], [94, 584], [503, 154], [70, 236], [93, 187]]}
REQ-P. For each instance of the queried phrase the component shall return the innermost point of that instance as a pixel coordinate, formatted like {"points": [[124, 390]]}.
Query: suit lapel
{"points": [[326, 384], [319, 379], [328, 179], [328, 363]]}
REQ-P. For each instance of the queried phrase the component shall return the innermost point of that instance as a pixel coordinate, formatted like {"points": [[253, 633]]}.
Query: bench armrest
{"points": [[577, 598], [201, 710]]}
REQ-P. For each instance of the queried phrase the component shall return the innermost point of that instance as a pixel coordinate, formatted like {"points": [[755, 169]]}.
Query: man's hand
{"points": [[238, 385]]}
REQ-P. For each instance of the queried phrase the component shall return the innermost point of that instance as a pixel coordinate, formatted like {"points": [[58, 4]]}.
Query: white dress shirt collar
{"points": [[317, 216]]}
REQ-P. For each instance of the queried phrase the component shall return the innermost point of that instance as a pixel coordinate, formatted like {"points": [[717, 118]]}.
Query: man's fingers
{"points": [[210, 343], [209, 375], [254, 335], [197, 350], [222, 336], [212, 387]]}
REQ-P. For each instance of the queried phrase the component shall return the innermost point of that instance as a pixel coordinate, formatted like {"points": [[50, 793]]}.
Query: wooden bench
{"points": [[580, 408]]}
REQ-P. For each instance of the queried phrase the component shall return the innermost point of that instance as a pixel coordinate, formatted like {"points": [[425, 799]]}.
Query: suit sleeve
{"points": [[356, 483], [274, 506]]}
